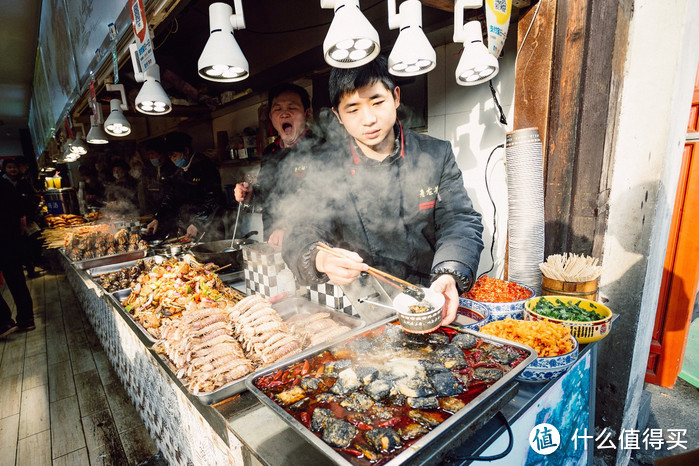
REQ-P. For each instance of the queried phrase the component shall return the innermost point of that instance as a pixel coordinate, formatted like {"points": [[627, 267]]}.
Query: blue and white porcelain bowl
{"points": [[545, 369], [499, 311], [472, 316]]}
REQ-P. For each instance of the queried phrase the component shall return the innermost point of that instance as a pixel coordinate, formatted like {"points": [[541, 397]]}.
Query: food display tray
{"points": [[107, 260], [95, 272], [117, 297], [479, 403], [285, 308]]}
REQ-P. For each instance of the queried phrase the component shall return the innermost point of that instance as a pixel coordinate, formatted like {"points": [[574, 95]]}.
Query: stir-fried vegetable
{"points": [[566, 310]]}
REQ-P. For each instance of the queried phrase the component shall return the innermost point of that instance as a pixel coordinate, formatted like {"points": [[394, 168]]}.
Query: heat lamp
{"points": [[351, 40]]}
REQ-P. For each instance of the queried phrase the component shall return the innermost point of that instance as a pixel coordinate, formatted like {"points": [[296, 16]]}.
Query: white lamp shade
{"points": [[78, 147], [96, 135], [476, 65], [222, 59], [412, 53], [351, 40], [152, 99], [116, 123]]}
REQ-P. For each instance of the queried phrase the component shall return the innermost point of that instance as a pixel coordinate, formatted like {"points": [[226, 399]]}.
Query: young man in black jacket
{"points": [[385, 196]]}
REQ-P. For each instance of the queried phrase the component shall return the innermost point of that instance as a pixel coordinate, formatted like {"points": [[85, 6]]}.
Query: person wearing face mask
{"points": [[158, 169], [122, 193], [193, 194], [284, 162], [136, 173]]}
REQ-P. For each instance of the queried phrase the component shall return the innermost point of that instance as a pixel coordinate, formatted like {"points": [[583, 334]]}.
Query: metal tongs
{"points": [[411, 290]]}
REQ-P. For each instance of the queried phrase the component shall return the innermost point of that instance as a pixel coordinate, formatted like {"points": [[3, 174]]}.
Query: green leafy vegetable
{"points": [[566, 310]]}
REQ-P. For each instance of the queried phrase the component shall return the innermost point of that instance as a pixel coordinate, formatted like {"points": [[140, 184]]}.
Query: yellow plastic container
{"points": [[584, 332]]}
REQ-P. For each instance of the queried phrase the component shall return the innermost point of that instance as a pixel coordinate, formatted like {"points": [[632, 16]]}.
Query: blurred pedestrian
{"points": [[12, 226]]}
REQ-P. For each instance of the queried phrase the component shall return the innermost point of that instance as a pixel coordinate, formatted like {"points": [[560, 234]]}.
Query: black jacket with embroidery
{"points": [[409, 215]]}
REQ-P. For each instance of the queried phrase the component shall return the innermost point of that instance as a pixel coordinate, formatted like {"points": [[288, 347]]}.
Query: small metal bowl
{"points": [[423, 322]]}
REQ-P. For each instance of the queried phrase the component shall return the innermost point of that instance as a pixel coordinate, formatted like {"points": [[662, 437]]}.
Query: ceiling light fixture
{"points": [[476, 65], [222, 59], [152, 98], [412, 53], [96, 135], [116, 123], [351, 40], [78, 147]]}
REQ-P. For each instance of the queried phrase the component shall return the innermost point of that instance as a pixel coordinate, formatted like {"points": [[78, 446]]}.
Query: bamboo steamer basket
{"points": [[584, 290]]}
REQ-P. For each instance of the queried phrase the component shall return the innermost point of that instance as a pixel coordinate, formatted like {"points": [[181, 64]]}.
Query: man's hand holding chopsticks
{"points": [[340, 268]]}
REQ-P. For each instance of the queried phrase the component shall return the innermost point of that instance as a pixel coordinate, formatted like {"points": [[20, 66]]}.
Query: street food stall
{"points": [[225, 356], [252, 409]]}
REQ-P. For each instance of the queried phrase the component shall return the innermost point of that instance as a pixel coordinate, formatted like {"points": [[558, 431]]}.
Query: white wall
{"points": [[661, 64], [468, 118]]}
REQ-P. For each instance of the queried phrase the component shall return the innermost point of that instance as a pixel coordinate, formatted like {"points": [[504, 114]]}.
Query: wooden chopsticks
{"points": [[380, 274]]}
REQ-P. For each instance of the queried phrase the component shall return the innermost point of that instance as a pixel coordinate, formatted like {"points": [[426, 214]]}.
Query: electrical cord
{"points": [[495, 210], [169, 32], [503, 120], [510, 444]]}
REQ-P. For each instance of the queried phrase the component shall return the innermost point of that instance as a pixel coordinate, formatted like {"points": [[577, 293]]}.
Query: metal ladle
{"points": [[368, 300], [235, 229]]}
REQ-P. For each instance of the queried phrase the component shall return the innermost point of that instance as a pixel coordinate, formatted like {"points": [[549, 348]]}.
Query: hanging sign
{"points": [[115, 59], [140, 29], [69, 131], [93, 98]]}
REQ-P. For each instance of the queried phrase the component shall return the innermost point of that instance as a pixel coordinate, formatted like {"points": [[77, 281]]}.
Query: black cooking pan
{"points": [[213, 251]]}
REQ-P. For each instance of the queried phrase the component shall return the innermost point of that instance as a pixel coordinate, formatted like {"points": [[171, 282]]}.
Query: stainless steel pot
{"points": [[213, 251]]}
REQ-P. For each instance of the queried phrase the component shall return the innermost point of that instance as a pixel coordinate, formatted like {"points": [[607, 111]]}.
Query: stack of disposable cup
{"points": [[525, 200]]}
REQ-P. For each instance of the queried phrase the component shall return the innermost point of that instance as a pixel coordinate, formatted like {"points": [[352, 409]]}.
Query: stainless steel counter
{"points": [[240, 430]]}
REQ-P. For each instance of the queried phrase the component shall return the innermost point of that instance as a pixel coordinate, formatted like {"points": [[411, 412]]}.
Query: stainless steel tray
{"points": [[95, 272], [285, 308], [478, 402], [104, 269], [106, 260], [117, 297]]}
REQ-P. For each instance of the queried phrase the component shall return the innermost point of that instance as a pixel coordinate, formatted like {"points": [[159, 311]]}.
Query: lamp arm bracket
{"points": [[459, 8], [137, 71], [120, 88], [237, 18]]}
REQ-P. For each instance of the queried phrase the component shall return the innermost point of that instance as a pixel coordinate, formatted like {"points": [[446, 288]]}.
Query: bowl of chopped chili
{"points": [[502, 298], [588, 320]]}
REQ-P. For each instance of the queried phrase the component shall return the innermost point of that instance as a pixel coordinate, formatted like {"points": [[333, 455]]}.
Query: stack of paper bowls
{"points": [[525, 201]]}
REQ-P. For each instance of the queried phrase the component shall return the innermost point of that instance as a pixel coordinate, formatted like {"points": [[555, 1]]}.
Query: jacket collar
{"points": [[400, 142]]}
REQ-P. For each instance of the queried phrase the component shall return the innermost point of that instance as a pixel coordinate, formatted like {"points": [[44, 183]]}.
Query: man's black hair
{"points": [[177, 141], [6, 162], [279, 89], [121, 164], [345, 81]]}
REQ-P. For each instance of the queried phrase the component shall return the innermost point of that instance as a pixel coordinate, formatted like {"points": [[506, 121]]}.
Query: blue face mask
{"points": [[181, 162], [155, 162]]}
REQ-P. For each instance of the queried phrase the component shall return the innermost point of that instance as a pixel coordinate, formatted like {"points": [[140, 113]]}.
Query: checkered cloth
{"points": [[331, 295], [262, 267]]}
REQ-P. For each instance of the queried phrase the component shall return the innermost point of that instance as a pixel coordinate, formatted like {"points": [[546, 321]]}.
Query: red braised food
{"points": [[374, 396]]}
